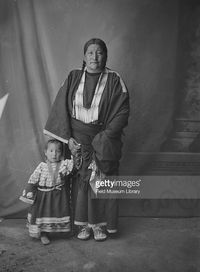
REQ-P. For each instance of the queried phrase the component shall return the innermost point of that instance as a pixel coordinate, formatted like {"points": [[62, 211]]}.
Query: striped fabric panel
{"points": [[79, 111], [48, 220]]}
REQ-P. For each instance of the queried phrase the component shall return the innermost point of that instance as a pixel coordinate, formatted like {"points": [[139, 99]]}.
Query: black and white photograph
{"points": [[99, 135]]}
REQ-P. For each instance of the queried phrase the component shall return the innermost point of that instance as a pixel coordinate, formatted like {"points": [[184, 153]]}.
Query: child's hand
{"points": [[29, 195]]}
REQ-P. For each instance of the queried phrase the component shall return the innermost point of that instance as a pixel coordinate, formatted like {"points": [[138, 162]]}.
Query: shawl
{"points": [[113, 115]]}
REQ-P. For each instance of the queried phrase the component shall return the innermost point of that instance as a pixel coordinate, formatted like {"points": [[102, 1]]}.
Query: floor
{"points": [[144, 245]]}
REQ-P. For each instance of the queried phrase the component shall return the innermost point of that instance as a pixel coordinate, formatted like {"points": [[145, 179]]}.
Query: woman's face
{"points": [[95, 58]]}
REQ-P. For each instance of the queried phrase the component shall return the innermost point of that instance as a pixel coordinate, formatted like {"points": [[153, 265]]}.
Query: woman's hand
{"points": [[73, 146]]}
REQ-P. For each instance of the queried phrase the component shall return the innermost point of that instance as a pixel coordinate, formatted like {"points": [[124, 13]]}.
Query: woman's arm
{"points": [[107, 144], [58, 123]]}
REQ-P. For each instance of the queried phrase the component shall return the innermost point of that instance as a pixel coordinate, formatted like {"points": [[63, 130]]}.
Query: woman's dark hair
{"points": [[100, 42]]}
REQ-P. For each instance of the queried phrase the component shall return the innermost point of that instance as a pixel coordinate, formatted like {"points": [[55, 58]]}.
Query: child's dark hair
{"points": [[53, 141]]}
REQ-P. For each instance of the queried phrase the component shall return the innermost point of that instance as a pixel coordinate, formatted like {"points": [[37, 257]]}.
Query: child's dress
{"points": [[48, 191]]}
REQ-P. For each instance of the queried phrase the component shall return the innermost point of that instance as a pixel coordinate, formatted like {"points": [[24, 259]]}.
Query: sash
{"points": [[83, 133]]}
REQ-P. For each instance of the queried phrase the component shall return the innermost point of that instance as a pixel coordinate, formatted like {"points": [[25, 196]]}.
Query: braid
{"points": [[83, 65]]}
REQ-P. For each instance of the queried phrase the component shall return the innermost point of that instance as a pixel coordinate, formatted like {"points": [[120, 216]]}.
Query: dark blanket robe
{"points": [[113, 117]]}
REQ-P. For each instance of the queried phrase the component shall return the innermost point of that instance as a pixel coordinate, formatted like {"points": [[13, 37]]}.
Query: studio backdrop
{"points": [[42, 40]]}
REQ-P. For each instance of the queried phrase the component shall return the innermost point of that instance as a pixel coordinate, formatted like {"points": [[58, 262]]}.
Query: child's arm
{"points": [[29, 193], [66, 167]]}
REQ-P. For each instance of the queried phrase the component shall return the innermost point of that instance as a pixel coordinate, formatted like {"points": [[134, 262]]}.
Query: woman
{"points": [[89, 114]]}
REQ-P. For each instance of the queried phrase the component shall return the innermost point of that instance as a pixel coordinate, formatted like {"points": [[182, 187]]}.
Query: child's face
{"points": [[54, 152]]}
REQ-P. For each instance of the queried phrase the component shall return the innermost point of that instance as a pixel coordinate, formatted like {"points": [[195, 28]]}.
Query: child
{"points": [[48, 194]]}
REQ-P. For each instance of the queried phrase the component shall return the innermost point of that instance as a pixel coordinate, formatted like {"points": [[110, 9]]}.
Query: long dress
{"points": [[48, 193], [98, 126]]}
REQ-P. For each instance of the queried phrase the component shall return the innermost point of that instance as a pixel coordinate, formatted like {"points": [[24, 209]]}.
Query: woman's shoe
{"points": [[84, 233], [99, 234], [112, 235], [44, 239]]}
